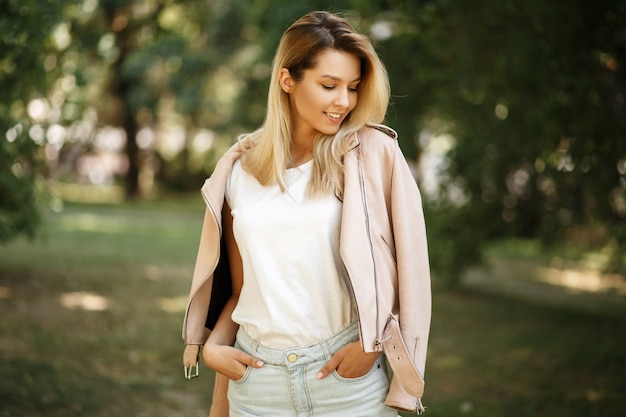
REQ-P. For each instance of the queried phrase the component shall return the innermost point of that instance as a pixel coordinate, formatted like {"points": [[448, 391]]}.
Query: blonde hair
{"points": [[267, 153]]}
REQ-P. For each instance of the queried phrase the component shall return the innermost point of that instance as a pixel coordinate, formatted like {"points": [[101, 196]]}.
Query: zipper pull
{"points": [[378, 346]]}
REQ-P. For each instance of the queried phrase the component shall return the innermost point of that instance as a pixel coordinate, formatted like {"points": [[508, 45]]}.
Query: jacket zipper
{"points": [[377, 342]]}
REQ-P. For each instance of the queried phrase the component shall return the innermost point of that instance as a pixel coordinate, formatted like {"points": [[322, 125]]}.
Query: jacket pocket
{"points": [[391, 250]]}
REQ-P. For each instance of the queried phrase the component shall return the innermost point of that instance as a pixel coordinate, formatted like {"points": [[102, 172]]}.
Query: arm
{"points": [[414, 290], [225, 329], [218, 353]]}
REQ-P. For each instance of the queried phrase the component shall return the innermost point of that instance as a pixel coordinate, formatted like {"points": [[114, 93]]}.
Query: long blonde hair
{"points": [[267, 153]]}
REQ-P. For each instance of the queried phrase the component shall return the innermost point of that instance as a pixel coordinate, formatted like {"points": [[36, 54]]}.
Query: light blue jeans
{"points": [[287, 385]]}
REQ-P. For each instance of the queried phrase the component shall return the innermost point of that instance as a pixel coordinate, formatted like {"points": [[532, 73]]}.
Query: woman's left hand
{"points": [[350, 362]]}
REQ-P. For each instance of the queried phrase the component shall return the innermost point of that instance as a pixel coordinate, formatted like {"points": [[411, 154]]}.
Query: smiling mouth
{"points": [[335, 116]]}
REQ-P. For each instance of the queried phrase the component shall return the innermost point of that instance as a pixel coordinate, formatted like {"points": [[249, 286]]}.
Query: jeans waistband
{"points": [[301, 355]]}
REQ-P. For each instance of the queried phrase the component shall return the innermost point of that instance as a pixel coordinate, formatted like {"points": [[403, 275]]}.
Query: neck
{"points": [[302, 139], [299, 157], [300, 154]]}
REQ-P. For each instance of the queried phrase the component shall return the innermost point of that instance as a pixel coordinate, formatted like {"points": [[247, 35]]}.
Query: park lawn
{"points": [[91, 317]]}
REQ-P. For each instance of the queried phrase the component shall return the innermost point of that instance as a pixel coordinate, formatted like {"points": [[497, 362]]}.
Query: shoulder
{"points": [[377, 135], [380, 130], [377, 139]]}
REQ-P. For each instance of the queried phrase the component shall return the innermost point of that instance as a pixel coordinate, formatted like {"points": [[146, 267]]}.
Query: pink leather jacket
{"points": [[383, 246]]}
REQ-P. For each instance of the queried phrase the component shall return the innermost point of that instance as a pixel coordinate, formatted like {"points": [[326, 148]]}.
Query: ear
{"points": [[285, 80]]}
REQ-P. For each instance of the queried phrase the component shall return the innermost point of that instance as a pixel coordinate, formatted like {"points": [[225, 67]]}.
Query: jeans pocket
{"points": [[375, 367], [244, 377]]}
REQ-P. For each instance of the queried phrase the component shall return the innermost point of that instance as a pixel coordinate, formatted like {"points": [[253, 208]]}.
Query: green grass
{"points": [[493, 355], [124, 357], [91, 317]]}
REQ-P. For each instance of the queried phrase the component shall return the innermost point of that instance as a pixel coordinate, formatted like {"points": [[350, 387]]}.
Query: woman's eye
{"points": [[354, 89], [328, 87]]}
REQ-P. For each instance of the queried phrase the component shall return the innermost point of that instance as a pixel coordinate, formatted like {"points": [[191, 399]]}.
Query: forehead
{"points": [[337, 64]]}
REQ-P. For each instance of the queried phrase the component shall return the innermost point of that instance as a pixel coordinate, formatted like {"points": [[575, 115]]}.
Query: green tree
{"points": [[25, 27], [522, 104], [133, 59], [533, 94]]}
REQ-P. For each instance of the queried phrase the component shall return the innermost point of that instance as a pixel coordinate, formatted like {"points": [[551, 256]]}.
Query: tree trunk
{"points": [[132, 187], [120, 90]]}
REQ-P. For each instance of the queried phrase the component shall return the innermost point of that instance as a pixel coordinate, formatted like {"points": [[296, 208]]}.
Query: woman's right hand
{"points": [[228, 361]]}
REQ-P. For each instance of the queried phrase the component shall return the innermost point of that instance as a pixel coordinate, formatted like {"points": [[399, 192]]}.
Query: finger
{"points": [[330, 366], [249, 360]]}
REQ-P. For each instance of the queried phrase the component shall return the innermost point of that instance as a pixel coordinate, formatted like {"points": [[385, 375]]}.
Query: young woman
{"points": [[313, 257]]}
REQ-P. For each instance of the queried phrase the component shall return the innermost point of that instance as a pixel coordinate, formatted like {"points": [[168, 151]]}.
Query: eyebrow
{"points": [[333, 77]]}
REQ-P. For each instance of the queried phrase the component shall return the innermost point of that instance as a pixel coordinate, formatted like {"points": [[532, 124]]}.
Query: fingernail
{"points": [[259, 363], [320, 375]]}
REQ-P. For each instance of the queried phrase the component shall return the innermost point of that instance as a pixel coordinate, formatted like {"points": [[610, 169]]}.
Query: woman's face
{"points": [[325, 96]]}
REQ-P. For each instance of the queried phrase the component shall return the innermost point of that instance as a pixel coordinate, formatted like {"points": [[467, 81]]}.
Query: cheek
{"points": [[310, 99], [300, 105], [354, 99]]}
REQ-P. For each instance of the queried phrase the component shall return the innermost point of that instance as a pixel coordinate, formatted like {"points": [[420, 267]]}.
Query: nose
{"points": [[343, 98]]}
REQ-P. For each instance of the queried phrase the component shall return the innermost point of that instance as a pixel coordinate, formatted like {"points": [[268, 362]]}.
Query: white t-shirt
{"points": [[295, 290]]}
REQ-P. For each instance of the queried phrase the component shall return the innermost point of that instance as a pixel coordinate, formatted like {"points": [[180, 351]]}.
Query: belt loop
{"points": [[326, 348]]}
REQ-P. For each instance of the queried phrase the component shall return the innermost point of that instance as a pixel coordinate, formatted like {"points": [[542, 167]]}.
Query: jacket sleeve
{"points": [[210, 282], [202, 283], [414, 287]]}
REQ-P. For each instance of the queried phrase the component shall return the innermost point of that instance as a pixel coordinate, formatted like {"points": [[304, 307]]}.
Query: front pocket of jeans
{"points": [[245, 376], [340, 378]]}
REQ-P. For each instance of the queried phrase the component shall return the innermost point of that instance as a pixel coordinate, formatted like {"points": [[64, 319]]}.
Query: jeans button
{"points": [[292, 357]]}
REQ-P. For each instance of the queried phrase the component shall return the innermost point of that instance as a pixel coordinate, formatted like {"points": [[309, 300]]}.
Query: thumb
{"points": [[330, 366], [248, 360]]}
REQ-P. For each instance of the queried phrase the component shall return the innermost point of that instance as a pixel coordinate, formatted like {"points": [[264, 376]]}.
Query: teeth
{"points": [[334, 115]]}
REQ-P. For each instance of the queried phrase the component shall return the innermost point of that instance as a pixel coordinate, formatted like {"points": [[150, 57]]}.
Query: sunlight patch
{"points": [[593, 395], [583, 280], [5, 293], [85, 301], [153, 272], [173, 304]]}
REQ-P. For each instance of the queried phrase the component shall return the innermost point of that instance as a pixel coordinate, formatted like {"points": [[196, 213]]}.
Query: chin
{"points": [[329, 131]]}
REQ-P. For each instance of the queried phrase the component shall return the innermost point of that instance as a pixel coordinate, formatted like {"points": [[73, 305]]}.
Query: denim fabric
{"points": [[287, 385]]}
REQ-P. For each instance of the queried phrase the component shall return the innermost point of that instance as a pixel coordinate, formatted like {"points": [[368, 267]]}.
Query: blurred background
{"points": [[113, 112]]}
